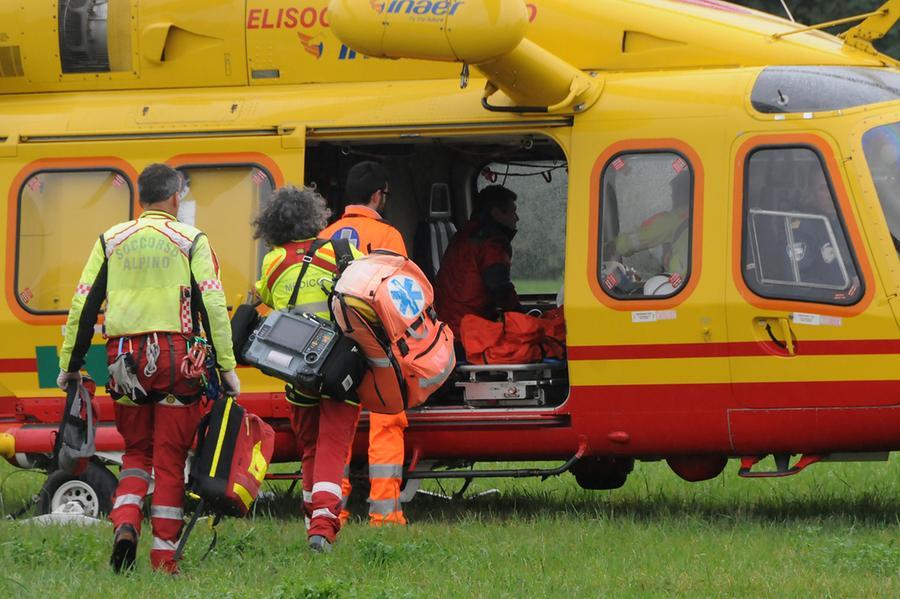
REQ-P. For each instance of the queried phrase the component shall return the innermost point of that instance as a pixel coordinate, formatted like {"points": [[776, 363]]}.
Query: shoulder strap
{"points": [[307, 260], [342, 253], [291, 250], [291, 258]]}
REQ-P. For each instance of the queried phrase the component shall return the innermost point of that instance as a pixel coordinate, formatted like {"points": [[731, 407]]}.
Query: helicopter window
{"points": [[819, 89], [882, 148], [51, 247], [539, 246], [94, 36], [239, 191], [795, 242], [645, 239]]}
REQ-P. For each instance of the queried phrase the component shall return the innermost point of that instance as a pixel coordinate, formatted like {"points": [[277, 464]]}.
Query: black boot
{"points": [[124, 549]]}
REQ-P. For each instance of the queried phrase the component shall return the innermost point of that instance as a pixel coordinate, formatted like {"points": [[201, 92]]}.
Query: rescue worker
{"points": [[323, 427], [474, 277], [157, 276], [669, 229], [366, 194]]}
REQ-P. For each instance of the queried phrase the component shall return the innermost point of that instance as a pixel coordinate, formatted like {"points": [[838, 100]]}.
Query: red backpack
{"points": [[234, 449], [384, 303]]}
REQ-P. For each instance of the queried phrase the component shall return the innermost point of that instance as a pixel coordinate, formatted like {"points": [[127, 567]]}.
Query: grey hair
{"points": [[293, 214], [158, 182]]}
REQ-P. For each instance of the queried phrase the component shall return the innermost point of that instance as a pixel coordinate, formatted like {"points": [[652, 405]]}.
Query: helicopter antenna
{"points": [[788, 11]]}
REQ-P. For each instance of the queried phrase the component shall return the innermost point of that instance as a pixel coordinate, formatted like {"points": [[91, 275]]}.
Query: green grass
{"points": [[537, 286], [833, 530]]}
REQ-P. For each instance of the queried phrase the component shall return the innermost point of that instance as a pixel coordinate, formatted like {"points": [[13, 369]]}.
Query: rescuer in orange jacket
{"points": [[157, 276], [474, 277], [367, 191]]}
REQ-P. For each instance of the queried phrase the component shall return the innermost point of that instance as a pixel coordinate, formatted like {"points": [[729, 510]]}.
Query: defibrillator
{"points": [[291, 346]]}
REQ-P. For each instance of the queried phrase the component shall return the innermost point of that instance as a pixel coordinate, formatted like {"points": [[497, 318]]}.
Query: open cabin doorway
{"points": [[433, 182]]}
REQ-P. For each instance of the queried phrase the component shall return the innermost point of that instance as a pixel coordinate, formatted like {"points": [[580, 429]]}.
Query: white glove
{"points": [[62, 381], [231, 384], [828, 253]]}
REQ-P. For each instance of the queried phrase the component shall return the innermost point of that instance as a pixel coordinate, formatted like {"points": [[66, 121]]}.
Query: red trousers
{"points": [[157, 438], [324, 433]]}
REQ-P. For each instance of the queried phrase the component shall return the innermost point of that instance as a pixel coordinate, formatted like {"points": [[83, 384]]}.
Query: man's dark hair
{"points": [[293, 214], [364, 179], [492, 196], [158, 182]]}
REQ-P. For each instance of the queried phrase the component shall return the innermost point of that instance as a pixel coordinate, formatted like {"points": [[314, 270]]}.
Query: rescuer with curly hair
{"points": [[323, 427], [293, 214]]}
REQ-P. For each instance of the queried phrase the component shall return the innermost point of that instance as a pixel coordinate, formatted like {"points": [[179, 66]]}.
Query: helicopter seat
{"points": [[433, 235]]}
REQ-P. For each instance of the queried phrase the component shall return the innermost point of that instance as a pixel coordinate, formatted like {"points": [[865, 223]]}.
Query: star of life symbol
{"points": [[407, 295], [348, 233]]}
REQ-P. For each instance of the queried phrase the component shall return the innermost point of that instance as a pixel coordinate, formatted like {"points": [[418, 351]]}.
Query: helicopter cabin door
{"points": [[646, 332], [810, 330]]}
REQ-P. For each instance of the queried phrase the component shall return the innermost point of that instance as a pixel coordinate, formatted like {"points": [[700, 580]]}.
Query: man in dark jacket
{"points": [[475, 272]]}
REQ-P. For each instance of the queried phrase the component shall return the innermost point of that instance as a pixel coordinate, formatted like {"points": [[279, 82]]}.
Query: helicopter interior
{"points": [[433, 182]]}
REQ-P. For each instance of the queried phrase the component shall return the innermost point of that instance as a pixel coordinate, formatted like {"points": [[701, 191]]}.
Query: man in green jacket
{"points": [[159, 278]]}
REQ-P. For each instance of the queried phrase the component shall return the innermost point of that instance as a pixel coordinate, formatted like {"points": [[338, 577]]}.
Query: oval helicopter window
{"points": [[881, 146], [645, 237], [820, 89], [51, 249], [222, 201], [795, 245]]}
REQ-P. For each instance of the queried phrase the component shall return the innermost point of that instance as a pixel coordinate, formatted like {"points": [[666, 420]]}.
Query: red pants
{"points": [[157, 437], [324, 433]]}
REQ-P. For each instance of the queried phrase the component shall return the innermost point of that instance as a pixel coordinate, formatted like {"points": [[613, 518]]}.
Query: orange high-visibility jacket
{"points": [[366, 230]]}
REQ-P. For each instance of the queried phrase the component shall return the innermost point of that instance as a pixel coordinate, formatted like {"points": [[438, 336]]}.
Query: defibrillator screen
{"points": [[291, 332]]}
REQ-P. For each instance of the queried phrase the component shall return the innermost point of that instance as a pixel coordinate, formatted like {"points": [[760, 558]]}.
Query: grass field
{"points": [[832, 531]]}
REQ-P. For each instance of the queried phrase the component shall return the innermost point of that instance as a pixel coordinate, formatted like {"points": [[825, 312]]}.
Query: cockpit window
{"points": [[821, 89], [795, 245], [882, 148]]}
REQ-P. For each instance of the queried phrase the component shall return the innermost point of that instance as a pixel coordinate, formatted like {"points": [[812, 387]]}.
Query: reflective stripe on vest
{"points": [[294, 252], [180, 241]]}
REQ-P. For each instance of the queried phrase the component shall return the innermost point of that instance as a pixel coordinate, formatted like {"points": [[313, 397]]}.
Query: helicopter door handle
{"points": [[783, 326]]}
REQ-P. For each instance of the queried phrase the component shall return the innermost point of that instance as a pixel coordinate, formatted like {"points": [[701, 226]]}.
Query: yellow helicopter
{"points": [[710, 192]]}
